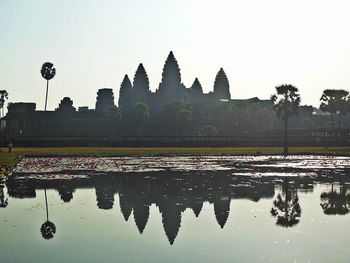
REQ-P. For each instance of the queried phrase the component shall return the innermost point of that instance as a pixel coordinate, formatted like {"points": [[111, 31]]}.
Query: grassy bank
{"points": [[18, 153]]}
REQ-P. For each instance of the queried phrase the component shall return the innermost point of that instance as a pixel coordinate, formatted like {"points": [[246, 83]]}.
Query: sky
{"points": [[94, 43]]}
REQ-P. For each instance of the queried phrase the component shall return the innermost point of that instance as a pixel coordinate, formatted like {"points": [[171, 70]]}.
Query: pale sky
{"points": [[93, 43]]}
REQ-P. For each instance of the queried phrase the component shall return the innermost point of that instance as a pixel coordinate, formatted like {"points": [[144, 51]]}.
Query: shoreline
{"points": [[18, 153]]}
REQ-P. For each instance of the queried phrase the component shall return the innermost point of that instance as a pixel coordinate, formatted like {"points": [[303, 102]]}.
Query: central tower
{"points": [[171, 88]]}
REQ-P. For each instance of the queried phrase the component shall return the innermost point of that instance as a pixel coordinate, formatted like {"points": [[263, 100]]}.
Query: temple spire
{"points": [[125, 95], [221, 86], [196, 87], [141, 82], [171, 76]]}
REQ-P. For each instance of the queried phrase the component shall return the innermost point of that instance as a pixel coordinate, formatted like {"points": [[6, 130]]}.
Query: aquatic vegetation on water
{"points": [[57, 167]]}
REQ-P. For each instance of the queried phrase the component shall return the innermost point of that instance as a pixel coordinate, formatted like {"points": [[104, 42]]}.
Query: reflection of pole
{"points": [[47, 210]]}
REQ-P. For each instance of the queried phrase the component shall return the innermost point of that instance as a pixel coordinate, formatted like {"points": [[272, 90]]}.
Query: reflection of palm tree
{"points": [[287, 210], [335, 203], [3, 201], [47, 72], [48, 229], [3, 94]]}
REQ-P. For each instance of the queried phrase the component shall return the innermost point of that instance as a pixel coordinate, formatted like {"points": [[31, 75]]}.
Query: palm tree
{"points": [[47, 72], [4, 94], [114, 113], [169, 113], [209, 130], [334, 102], [3, 201], [286, 103]]}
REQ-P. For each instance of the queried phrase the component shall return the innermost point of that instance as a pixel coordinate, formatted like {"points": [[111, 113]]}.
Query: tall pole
{"points": [[47, 209], [285, 151], [47, 91]]}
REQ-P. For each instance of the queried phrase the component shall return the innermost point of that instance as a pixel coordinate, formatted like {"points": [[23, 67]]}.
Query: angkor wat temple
{"points": [[229, 117], [170, 89]]}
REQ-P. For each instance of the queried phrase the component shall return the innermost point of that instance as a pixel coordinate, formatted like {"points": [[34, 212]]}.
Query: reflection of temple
{"points": [[66, 192], [172, 193]]}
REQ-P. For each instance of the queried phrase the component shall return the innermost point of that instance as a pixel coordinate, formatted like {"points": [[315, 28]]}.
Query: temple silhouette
{"points": [[170, 89], [172, 115]]}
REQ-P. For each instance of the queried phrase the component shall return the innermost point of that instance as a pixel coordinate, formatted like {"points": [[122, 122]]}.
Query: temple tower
{"points": [[221, 86], [104, 100]]}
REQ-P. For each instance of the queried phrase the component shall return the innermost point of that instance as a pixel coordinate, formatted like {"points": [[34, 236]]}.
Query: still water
{"points": [[177, 209]]}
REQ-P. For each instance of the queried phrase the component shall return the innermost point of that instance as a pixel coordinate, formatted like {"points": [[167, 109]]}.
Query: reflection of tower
{"points": [[171, 219], [222, 210], [141, 214], [125, 203], [197, 207], [104, 196], [66, 192]]}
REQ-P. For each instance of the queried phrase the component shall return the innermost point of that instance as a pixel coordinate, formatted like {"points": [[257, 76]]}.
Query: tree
{"points": [[4, 95], [336, 202], [240, 112], [209, 130], [184, 120], [47, 72], [221, 86], [114, 113], [141, 112], [286, 103], [3, 201], [334, 102], [169, 113]]}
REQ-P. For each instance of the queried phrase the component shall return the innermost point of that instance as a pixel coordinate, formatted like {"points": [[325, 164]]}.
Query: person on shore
{"points": [[10, 146]]}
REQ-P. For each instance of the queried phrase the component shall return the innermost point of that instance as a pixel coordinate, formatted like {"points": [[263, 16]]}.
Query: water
{"points": [[177, 209]]}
